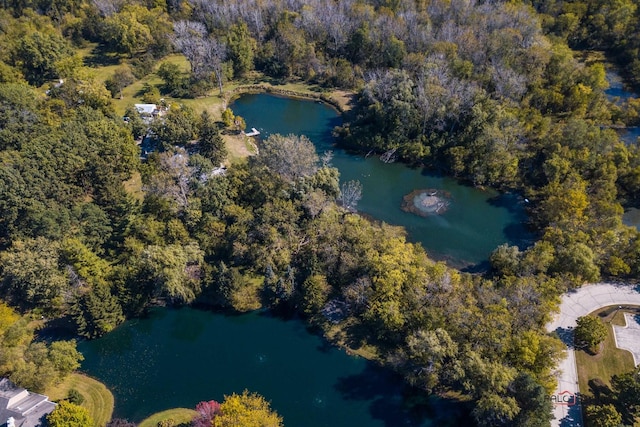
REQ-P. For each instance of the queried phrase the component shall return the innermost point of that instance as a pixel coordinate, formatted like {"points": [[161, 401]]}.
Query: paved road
{"points": [[576, 304]]}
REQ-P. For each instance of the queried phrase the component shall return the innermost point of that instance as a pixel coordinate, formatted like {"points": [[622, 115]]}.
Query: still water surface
{"points": [[179, 357], [176, 358], [475, 224]]}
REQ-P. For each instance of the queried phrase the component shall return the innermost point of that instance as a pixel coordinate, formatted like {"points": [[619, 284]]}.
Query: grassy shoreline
{"points": [[98, 400], [180, 416]]}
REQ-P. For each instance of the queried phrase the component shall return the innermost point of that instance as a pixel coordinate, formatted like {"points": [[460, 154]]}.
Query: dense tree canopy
{"points": [[488, 92]]}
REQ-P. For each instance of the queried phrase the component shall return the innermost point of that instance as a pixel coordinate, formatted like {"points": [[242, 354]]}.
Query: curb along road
{"points": [[574, 304]]}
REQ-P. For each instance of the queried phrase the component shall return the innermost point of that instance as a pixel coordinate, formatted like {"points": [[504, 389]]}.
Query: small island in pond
{"points": [[426, 202]]}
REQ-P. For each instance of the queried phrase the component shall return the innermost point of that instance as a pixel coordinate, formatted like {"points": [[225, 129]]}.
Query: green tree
{"points": [[505, 260], [210, 141], [437, 356], [65, 357], [493, 410], [174, 81], [177, 127], [533, 399], [228, 118], [67, 414], [121, 78], [136, 124], [241, 47], [627, 389], [603, 416], [96, 312], [124, 33], [32, 275], [590, 332], [314, 294], [247, 410], [37, 54], [174, 271]]}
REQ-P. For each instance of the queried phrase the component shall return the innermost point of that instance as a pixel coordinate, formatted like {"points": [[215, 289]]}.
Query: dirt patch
{"points": [[239, 147]]}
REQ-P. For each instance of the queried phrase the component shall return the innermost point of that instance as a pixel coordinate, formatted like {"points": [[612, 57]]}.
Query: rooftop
{"points": [[26, 408]]}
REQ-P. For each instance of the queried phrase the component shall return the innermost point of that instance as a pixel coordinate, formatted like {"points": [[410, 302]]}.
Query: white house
{"points": [[147, 109], [21, 408]]}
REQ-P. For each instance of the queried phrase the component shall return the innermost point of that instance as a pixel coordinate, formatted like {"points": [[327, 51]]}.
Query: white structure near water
{"points": [[21, 408]]}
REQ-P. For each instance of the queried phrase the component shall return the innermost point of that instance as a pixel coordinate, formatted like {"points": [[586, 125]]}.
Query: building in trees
{"points": [[25, 408]]}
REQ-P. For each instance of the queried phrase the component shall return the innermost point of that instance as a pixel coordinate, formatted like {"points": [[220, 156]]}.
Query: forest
{"points": [[497, 94]]}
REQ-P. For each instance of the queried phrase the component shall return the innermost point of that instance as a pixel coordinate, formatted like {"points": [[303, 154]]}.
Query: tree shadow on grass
{"points": [[388, 399], [101, 57], [600, 390]]}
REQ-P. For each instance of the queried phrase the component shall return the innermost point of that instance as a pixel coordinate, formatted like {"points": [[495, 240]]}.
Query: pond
{"points": [[474, 223], [179, 357], [617, 93]]}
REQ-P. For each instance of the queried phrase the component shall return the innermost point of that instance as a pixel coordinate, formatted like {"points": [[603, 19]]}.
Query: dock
{"points": [[254, 132]]}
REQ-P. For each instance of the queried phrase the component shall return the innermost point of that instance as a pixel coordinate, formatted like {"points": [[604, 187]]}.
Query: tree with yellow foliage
{"points": [[247, 410]]}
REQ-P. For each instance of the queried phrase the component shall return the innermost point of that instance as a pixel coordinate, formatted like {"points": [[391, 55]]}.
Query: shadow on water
{"points": [[187, 329], [390, 399], [509, 201], [481, 267]]}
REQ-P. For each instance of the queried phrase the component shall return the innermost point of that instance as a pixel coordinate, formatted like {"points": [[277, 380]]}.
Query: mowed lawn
{"points": [[97, 398], [608, 362], [102, 66], [178, 415]]}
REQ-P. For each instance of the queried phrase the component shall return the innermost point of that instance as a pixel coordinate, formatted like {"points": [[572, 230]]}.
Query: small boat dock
{"points": [[254, 132]]}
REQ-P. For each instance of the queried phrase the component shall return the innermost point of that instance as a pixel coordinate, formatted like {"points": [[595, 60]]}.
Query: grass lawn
{"points": [[178, 415], [97, 398], [240, 147], [133, 186], [103, 64], [608, 362]]}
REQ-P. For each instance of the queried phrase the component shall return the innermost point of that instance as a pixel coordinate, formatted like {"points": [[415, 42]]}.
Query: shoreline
{"points": [[327, 98]]}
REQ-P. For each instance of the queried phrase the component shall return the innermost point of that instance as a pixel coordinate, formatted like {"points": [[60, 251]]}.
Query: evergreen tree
{"points": [[210, 141]]}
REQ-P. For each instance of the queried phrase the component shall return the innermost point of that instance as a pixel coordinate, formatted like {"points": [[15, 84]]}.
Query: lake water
{"points": [[475, 224], [179, 357], [617, 92]]}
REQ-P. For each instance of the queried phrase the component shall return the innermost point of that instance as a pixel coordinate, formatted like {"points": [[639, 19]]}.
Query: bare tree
{"points": [[174, 179], [205, 54], [291, 156], [350, 194], [108, 7], [214, 57]]}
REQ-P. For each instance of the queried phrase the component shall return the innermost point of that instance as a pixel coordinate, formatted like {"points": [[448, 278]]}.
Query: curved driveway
{"points": [[577, 303]]}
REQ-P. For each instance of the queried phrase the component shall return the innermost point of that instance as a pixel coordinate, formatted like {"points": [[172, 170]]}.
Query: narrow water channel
{"points": [[476, 222]]}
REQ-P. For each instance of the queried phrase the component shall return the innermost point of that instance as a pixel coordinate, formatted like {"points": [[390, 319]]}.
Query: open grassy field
{"points": [[102, 66], [608, 362], [97, 398], [178, 415]]}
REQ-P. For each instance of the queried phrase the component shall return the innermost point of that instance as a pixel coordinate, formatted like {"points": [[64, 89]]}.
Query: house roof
{"points": [[27, 409], [146, 108]]}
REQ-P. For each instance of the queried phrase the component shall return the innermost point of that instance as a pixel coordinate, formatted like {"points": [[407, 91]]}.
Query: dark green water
{"points": [[475, 224], [616, 93], [177, 358]]}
